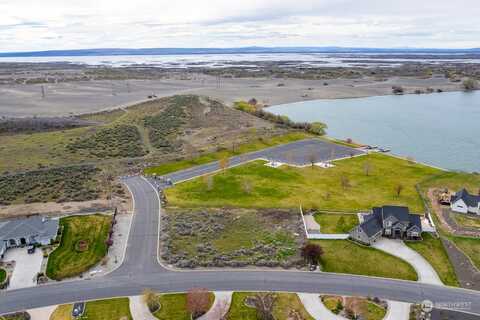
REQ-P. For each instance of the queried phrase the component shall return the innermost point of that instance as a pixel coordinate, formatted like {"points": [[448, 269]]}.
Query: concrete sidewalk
{"points": [[139, 309], [220, 307], [316, 308], [425, 271], [397, 311], [41, 313]]}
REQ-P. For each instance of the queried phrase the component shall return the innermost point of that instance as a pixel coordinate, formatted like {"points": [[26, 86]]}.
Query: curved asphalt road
{"points": [[141, 270]]}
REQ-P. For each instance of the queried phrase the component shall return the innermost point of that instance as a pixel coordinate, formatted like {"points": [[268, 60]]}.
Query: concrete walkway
{"points": [[41, 313], [139, 309], [397, 311], [26, 267], [220, 307], [316, 308], [425, 271]]}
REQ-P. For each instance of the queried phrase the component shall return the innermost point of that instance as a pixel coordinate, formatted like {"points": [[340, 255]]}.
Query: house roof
{"points": [[469, 199], [374, 223], [28, 227]]}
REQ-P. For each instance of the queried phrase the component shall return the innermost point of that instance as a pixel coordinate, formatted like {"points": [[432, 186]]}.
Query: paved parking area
{"points": [[26, 267]]}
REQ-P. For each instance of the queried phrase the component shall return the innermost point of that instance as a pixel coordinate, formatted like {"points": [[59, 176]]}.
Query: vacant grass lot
{"points": [[75, 183], [111, 309], [286, 303], [453, 181], [174, 306], [432, 250], [344, 187], [466, 221], [470, 246], [210, 157], [343, 256], [67, 260], [233, 238], [336, 223]]}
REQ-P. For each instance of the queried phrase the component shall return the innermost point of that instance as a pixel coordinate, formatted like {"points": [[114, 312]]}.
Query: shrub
{"points": [[470, 84], [397, 90]]}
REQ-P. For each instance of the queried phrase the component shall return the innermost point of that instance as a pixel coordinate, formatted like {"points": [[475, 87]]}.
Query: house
{"points": [[465, 202], [388, 221], [27, 231]]}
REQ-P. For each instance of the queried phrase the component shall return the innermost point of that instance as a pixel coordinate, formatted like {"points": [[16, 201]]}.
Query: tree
{"points": [[345, 182], [190, 151], [397, 90], [264, 303], [367, 168], [150, 298], [398, 189], [355, 307], [224, 163], [341, 224], [317, 128], [469, 84], [312, 253], [247, 186], [208, 180], [253, 102], [198, 302]]}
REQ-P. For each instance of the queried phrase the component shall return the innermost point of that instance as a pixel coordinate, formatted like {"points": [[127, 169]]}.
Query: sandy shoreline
{"points": [[69, 98]]}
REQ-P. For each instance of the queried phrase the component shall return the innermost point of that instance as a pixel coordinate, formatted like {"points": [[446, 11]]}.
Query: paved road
{"points": [[141, 271]]}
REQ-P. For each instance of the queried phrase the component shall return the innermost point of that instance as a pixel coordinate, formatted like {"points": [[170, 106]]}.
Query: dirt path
{"points": [[467, 274]]}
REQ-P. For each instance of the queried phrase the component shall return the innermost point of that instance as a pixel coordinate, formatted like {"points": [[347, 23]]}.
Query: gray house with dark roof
{"points": [[465, 202], [388, 221], [27, 231]]}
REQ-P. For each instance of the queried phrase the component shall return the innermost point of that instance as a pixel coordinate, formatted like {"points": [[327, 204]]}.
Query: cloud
{"points": [[59, 24]]}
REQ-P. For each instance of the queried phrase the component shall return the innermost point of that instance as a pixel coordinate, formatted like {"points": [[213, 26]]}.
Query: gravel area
{"points": [[467, 274]]}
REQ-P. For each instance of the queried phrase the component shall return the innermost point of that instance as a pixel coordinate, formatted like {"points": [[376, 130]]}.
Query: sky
{"points": [[31, 25]]}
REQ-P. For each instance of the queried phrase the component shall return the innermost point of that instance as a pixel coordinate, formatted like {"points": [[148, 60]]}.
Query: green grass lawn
{"points": [[470, 246], [466, 221], [174, 306], [343, 256], [312, 187], [210, 157], [3, 275], [66, 261], [332, 303], [375, 312], [110, 309], [453, 181], [336, 223], [283, 306], [432, 250]]}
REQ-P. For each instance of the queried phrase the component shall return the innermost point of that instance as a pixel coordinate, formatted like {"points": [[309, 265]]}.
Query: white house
{"points": [[27, 231], [465, 202]]}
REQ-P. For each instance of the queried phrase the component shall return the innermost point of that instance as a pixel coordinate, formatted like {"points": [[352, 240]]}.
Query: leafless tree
{"points": [[264, 303], [345, 182], [224, 163], [398, 189], [355, 307], [198, 301], [208, 179], [367, 167], [247, 186], [190, 151]]}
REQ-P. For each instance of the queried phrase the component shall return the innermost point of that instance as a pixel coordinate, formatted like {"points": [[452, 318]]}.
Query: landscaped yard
{"points": [[174, 306], [373, 310], [432, 250], [111, 309], [344, 187], [343, 256], [3, 275], [82, 245], [222, 237], [336, 223], [285, 303]]}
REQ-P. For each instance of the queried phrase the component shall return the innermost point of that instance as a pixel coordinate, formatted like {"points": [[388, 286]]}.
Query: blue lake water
{"points": [[441, 129]]}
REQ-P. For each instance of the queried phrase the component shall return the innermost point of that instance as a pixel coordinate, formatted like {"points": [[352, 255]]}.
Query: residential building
{"points": [[465, 202], [388, 221]]}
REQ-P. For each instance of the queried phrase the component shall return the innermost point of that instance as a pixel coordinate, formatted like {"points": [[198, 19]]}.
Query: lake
{"points": [[441, 129]]}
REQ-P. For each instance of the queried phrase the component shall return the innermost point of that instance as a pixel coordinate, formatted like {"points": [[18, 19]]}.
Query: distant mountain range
{"points": [[244, 50]]}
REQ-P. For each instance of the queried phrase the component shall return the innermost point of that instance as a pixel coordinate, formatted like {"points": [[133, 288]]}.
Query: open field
{"points": [[258, 144], [466, 220], [75, 183], [111, 309], [71, 258], [285, 305], [174, 306], [336, 223], [432, 250], [343, 256], [235, 238], [345, 187]]}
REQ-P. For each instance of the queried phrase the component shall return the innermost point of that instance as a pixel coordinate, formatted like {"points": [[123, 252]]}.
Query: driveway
{"points": [[425, 271], [316, 308], [26, 267]]}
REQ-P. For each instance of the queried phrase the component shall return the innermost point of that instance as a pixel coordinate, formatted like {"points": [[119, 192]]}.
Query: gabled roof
{"points": [[28, 227], [400, 213], [372, 225], [469, 199]]}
